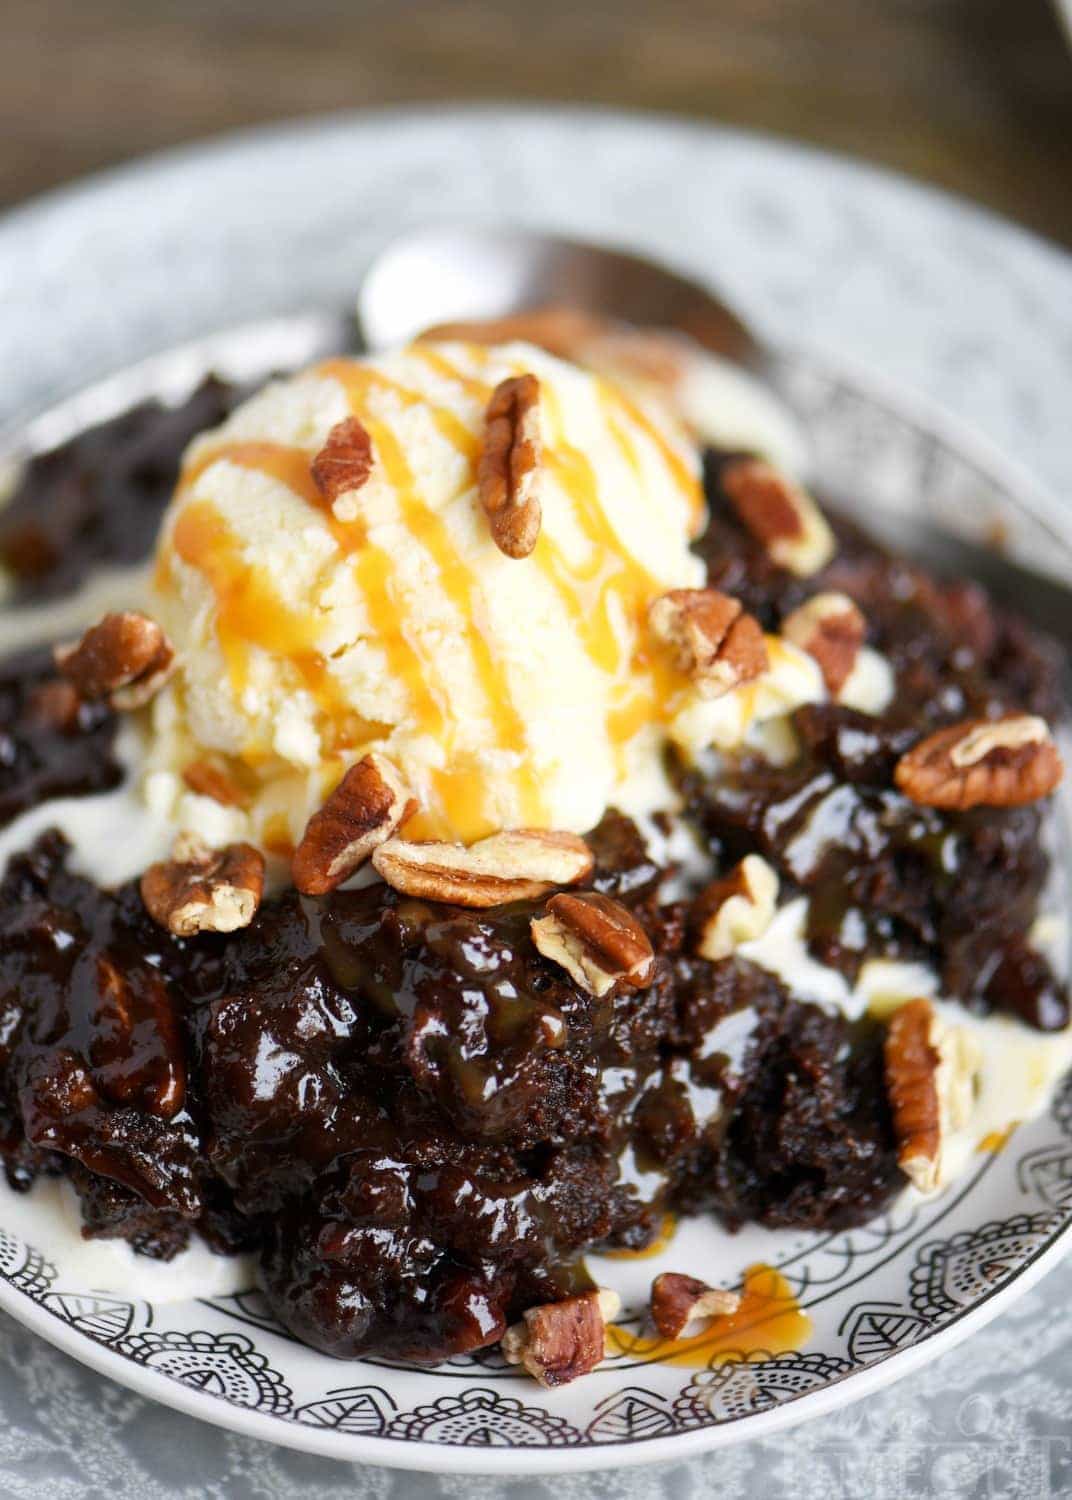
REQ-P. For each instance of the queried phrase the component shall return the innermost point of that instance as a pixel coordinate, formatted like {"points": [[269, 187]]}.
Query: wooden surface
{"points": [[974, 95]]}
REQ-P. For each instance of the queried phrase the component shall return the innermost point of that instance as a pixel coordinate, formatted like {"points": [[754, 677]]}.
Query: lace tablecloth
{"points": [[991, 1419]]}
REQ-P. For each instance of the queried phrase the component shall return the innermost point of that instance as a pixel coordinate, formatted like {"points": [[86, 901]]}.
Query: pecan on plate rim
{"points": [[678, 1301], [558, 1342]]}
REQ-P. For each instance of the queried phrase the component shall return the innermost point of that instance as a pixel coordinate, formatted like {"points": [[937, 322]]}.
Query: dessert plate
{"points": [[876, 1302], [833, 1315]]}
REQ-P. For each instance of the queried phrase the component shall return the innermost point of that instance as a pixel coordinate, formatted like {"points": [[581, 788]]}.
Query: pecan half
{"points": [[125, 658], [559, 1341], [930, 1080], [509, 468], [518, 865], [598, 942], [779, 514], [678, 1300], [830, 628], [344, 463], [982, 763], [735, 909], [369, 804], [713, 640], [204, 890]]}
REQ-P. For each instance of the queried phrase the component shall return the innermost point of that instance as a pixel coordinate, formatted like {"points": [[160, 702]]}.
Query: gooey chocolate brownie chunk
{"points": [[365, 1087]]}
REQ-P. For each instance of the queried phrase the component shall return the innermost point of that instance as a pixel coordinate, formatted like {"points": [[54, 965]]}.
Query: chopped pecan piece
{"points": [[677, 1301], [830, 628], [982, 763], [509, 468], [344, 463], [735, 909], [930, 1079], [125, 658], [208, 777], [598, 942], [559, 1341], [779, 514], [518, 865], [204, 890], [714, 641], [369, 804]]}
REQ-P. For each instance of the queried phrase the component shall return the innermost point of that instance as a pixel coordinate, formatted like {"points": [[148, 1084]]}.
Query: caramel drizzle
{"points": [[251, 613], [612, 586], [686, 480], [585, 591], [459, 582]]}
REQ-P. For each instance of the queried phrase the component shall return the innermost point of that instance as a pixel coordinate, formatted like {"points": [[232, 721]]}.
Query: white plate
{"points": [[255, 227]]}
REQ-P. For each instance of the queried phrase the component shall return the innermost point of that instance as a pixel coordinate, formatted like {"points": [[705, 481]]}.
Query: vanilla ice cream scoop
{"points": [[509, 692]]}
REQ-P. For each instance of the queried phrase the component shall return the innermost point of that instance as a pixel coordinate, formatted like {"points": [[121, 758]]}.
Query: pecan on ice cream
{"points": [[735, 909], [508, 471], [930, 1079], [713, 640], [831, 629], [367, 807], [344, 463], [209, 777]]}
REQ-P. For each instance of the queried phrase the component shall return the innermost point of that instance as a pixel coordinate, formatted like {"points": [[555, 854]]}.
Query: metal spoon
{"points": [[456, 274]]}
